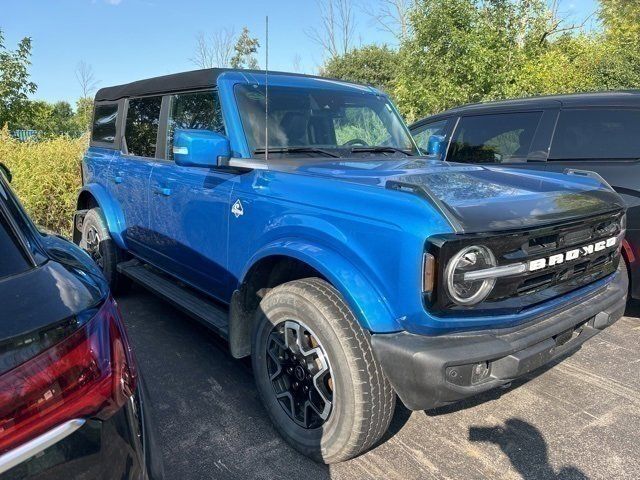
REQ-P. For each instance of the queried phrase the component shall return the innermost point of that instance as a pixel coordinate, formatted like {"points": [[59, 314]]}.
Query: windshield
{"points": [[312, 122]]}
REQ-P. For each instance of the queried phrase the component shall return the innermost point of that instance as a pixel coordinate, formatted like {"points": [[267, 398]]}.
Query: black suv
{"points": [[72, 403], [598, 132]]}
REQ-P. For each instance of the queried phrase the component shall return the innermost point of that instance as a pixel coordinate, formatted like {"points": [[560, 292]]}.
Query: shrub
{"points": [[46, 177]]}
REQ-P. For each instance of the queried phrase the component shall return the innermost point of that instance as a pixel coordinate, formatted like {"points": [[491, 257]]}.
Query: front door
{"points": [[189, 206]]}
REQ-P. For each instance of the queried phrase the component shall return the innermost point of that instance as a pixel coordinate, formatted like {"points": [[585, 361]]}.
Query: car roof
{"points": [[619, 98], [193, 80]]}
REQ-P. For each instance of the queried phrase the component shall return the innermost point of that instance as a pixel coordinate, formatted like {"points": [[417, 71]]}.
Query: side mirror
{"points": [[200, 148], [4, 170], [436, 146]]}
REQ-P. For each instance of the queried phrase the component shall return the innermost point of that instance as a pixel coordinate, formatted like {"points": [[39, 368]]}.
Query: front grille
{"points": [[563, 238], [515, 293]]}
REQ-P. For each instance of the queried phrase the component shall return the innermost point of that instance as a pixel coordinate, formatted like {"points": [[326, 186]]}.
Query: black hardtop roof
{"points": [[593, 99], [192, 80]]}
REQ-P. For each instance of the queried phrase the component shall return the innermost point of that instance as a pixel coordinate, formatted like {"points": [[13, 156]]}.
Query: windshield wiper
{"points": [[296, 150], [380, 149]]}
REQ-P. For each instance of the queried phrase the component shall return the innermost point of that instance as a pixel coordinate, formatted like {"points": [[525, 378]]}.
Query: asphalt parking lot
{"points": [[580, 419]]}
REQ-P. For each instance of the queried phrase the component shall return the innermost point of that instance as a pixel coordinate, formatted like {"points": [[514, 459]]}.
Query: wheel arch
{"points": [[291, 260], [94, 195]]}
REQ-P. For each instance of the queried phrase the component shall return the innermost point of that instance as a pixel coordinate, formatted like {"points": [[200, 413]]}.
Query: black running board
{"points": [[180, 296]]}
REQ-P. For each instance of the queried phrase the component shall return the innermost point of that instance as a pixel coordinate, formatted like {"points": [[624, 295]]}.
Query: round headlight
{"points": [[469, 259]]}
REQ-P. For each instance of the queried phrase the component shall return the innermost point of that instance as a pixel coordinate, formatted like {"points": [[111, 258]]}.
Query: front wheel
{"points": [[316, 373], [97, 242]]}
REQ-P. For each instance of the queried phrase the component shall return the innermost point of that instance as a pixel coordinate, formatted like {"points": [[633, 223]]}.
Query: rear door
{"points": [[189, 206], [605, 140], [130, 170]]}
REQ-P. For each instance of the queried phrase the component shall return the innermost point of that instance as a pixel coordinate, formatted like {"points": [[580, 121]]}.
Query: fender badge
{"points": [[237, 209]]}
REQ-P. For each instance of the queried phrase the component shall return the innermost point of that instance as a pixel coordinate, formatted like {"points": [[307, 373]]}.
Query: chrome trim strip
{"points": [[495, 272], [33, 447], [253, 164]]}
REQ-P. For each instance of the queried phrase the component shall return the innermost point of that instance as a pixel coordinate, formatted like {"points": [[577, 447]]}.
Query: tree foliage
{"points": [[15, 86], [245, 50], [464, 51], [454, 52], [370, 64]]}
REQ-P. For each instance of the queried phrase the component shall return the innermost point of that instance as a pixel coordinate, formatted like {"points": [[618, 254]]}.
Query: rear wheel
{"points": [[316, 373], [97, 242]]}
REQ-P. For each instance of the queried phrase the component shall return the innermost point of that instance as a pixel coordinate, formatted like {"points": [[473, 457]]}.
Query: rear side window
{"points": [[599, 133], [500, 138], [12, 259], [141, 131], [198, 110], [104, 123], [422, 133]]}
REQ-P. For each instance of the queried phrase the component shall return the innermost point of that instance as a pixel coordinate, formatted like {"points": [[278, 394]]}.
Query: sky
{"points": [[127, 40]]}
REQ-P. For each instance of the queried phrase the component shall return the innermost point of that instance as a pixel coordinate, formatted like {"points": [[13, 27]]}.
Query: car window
{"points": [[499, 138], [104, 123], [12, 259], [422, 133], [143, 116], [330, 119], [360, 125], [198, 110], [595, 134]]}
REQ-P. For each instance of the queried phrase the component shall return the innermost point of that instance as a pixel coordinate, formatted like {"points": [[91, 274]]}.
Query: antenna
{"points": [[266, 92]]}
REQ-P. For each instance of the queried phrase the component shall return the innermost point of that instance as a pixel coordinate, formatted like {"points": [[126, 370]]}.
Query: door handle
{"points": [[119, 178], [162, 191]]}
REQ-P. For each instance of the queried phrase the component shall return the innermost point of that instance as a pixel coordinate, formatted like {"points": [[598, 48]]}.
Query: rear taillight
{"points": [[89, 374]]}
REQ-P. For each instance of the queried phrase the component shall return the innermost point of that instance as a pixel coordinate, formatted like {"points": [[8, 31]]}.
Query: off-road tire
{"points": [[363, 399], [110, 253]]}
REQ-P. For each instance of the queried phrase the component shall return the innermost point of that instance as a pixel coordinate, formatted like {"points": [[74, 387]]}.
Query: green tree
{"points": [[462, 51], [619, 62], [245, 50], [53, 119], [34, 115], [370, 64], [63, 120], [84, 113], [15, 86]]}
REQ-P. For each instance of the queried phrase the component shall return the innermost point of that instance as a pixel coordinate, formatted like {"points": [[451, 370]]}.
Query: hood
{"points": [[480, 199]]}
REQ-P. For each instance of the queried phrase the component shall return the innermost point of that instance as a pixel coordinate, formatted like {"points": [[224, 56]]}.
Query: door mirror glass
{"points": [[200, 148], [4, 170], [435, 146]]}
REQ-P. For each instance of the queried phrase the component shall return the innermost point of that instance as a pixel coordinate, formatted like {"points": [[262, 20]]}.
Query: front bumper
{"points": [[428, 372]]}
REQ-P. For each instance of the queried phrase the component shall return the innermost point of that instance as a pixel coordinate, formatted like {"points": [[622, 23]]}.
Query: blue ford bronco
{"points": [[294, 216]]}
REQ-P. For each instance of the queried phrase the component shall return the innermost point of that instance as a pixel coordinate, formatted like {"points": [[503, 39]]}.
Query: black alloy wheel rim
{"points": [[300, 373], [93, 247]]}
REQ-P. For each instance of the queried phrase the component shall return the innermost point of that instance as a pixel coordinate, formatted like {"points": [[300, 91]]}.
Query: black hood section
{"points": [[477, 199]]}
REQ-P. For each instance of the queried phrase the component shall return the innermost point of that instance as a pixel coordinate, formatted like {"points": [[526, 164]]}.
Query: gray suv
{"points": [[597, 132]]}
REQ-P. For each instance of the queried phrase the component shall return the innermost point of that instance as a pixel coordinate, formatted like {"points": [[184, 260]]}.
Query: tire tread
{"points": [[375, 398]]}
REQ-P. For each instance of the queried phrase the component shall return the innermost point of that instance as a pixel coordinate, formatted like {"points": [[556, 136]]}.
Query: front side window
{"points": [[422, 133], [499, 138], [339, 122], [104, 123], [198, 110], [141, 131], [597, 133]]}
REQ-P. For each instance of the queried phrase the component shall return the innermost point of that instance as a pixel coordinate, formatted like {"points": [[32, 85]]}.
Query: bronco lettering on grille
{"points": [[574, 254]]}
